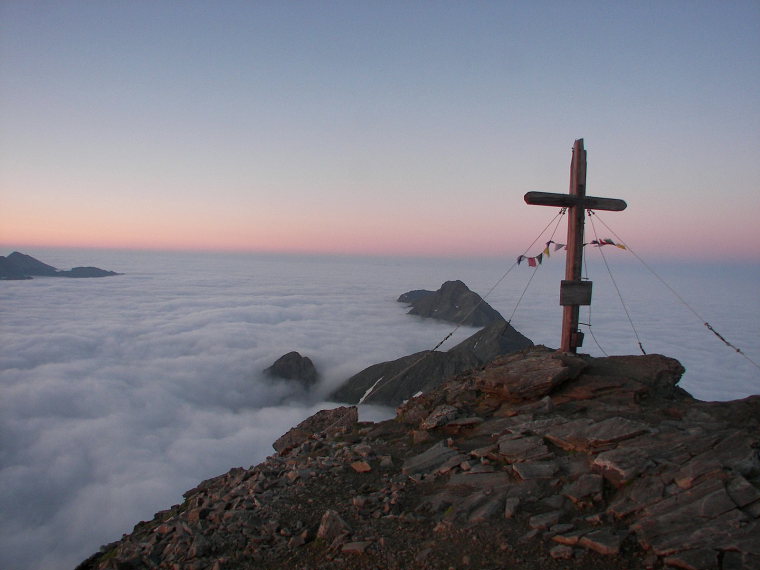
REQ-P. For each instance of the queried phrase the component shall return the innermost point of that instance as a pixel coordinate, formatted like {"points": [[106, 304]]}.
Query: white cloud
{"points": [[118, 394]]}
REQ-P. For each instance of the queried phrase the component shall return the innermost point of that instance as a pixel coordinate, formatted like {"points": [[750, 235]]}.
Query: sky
{"points": [[393, 128]]}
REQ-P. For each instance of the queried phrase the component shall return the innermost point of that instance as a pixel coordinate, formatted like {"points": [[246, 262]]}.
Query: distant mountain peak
{"points": [[19, 265], [453, 302]]}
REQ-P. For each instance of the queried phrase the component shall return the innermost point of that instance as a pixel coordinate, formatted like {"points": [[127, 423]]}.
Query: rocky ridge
{"points": [[390, 383], [538, 460]]}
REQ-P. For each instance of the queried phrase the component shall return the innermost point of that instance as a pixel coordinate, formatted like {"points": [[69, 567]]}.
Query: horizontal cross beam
{"points": [[569, 200]]}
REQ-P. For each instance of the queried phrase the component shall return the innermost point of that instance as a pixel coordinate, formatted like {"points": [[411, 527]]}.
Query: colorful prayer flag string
{"points": [[601, 242], [537, 259]]}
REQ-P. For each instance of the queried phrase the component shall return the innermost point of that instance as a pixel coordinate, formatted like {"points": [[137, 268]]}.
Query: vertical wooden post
{"points": [[574, 266], [573, 292]]}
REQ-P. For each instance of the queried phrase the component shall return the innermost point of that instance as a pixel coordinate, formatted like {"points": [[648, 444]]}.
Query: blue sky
{"points": [[358, 127]]}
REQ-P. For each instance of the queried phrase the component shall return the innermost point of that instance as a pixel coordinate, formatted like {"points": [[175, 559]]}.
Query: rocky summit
{"points": [[453, 302], [537, 460], [293, 366]]}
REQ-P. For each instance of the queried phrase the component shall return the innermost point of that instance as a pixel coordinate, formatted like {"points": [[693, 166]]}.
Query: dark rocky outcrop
{"points": [[453, 302], [413, 296], [293, 366], [21, 266], [538, 460], [81, 272], [390, 383]]}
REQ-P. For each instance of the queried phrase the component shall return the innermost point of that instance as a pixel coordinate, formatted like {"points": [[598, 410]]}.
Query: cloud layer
{"points": [[118, 394]]}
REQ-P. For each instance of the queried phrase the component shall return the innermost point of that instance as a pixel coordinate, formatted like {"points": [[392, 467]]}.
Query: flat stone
{"points": [[742, 492], [555, 502], [677, 531], [588, 435], [708, 499], [487, 510], [332, 526], [452, 462], [569, 538], [361, 467], [592, 387], [471, 421], [561, 528], [494, 481], [536, 470], [356, 547], [699, 468], [516, 448], [527, 491], [544, 520], [603, 541], [699, 559], [537, 427], [510, 507], [486, 451], [363, 449], [561, 552], [429, 460], [586, 489], [622, 465], [441, 415], [636, 496], [469, 503]]}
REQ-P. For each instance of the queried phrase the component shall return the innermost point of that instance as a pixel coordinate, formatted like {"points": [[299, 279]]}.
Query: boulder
{"points": [[529, 375], [293, 366]]}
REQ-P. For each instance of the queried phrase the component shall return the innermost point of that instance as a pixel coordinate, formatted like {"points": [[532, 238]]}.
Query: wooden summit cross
{"points": [[573, 291]]}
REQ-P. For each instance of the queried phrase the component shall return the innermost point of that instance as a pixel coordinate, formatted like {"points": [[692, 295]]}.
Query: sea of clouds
{"points": [[118, 394]]}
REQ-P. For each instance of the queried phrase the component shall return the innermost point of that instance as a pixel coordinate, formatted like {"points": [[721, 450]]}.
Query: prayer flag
{"points": [[532, 261]]}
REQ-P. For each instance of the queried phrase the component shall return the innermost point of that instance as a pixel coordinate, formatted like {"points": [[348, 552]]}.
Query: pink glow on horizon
{"points": [[405, 242], [471, 230]]}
